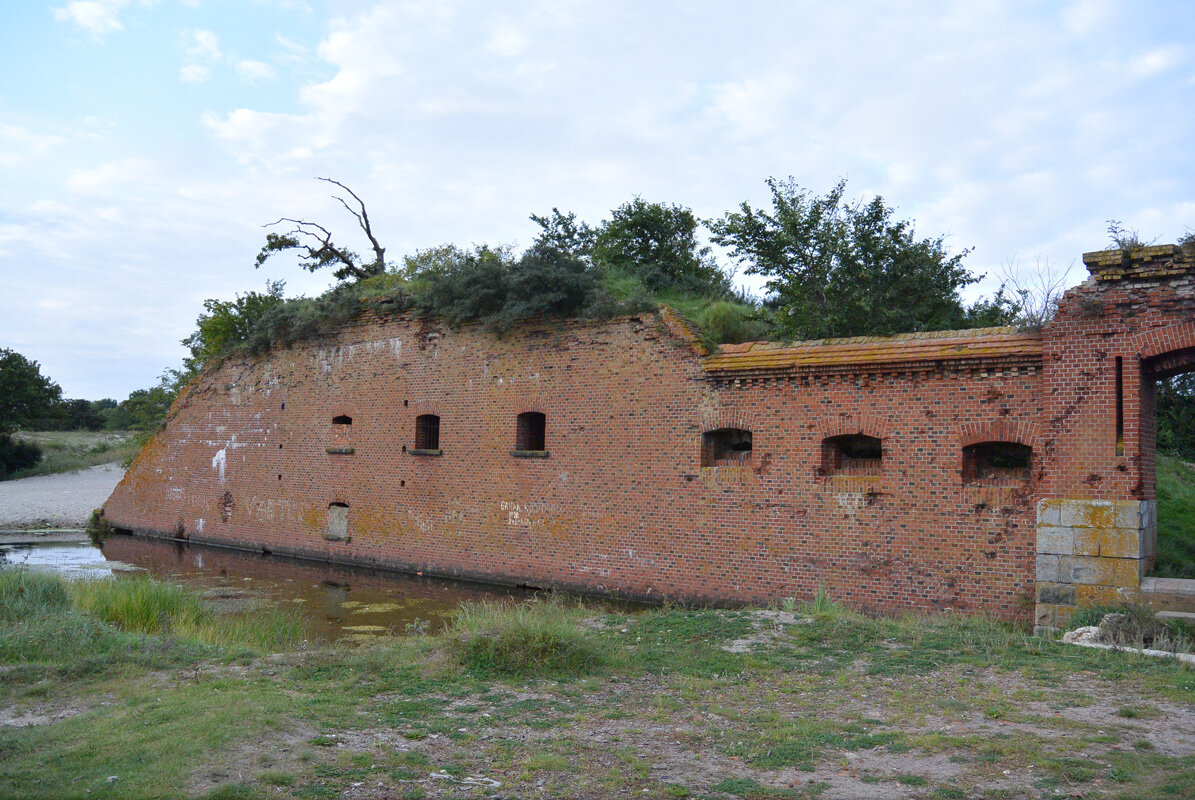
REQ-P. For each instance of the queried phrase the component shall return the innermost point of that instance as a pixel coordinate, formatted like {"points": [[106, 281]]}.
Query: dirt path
{"points": [[56, 501]]}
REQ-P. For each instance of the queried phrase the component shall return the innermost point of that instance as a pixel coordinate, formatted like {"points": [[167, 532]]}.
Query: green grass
{"points": [[144, 605], [1176, 518], [544, 637], [553, 698], [67, 451], [94, 626]]}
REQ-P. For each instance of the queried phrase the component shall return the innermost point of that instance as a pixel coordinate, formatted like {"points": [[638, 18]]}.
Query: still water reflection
{"points": [[339, 602]]}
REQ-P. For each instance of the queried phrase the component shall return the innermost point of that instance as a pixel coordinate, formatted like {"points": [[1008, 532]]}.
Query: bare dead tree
{"points": [[315, 245], [1035, 292]]}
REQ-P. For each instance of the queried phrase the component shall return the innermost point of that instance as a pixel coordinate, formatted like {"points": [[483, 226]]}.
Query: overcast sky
{"points": [[143, 143]]}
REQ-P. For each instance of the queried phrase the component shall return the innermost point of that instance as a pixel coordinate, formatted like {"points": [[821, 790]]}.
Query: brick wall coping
{"points": [[978, 348], [1155, 261]]}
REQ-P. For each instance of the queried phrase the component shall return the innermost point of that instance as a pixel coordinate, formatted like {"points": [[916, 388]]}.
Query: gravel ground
{"points": [[56, 501]]}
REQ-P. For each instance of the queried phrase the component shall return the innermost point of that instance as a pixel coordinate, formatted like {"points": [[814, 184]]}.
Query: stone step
{"points": [[1174, 595], [1184, 616]]}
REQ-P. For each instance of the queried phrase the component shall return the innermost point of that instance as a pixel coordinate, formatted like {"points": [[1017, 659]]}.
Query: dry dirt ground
{"points": [[56, 501], [682, 738]]}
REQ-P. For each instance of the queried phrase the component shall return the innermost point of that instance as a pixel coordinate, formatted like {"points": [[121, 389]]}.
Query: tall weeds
{"points": [[544, 637], [45, 616]]}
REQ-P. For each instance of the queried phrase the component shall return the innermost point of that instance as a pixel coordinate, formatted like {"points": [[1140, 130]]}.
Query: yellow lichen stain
{"points": [[854, 484], [1086, 541], [1120, 543], [1086, 595], [1100, 516], [727, 476], [315, 519]]}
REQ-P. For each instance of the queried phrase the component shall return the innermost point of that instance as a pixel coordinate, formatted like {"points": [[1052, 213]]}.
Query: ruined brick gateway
{"points": [[994, 471]]}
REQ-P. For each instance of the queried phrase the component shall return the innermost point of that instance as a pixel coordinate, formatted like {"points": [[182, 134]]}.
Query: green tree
{"points": [[25, 393], [225, 324], [315, 247], [69, 415], [564, 233], [1176, 416], [145, 409], [657, 243], [836, 268]]}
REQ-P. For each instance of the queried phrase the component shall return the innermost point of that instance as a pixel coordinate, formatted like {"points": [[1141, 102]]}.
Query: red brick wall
{"points": [[621, 505], [1142, 312]]}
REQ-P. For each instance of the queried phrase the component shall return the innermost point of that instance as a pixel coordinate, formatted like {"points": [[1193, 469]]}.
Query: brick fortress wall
{"points": [[631, 495], [1131, 323]]}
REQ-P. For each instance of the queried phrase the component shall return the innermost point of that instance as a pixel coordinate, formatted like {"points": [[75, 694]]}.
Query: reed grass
{"points": [[45, 618]]}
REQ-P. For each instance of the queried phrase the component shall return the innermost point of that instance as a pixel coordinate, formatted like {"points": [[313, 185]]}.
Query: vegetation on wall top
{"points": [[833, 268]]}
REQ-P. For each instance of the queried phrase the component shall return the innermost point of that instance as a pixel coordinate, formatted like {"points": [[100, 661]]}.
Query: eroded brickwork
{"points": [[757, 472], [1131, 323], [619, 501]]}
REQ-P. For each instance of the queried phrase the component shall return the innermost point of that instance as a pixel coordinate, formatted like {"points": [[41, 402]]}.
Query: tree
{"points": [[1176, 416], [69, 415], [145, 409], [836, 268], [224, 324], [24, 392], [657, 243], [564, 233], [433, 261], [315, 246]]}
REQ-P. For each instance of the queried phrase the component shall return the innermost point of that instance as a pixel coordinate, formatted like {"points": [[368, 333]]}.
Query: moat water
{"points": [[338, 602]]}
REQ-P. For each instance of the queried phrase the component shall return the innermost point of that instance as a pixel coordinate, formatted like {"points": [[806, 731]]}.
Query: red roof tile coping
{"points": [[867, 353]]}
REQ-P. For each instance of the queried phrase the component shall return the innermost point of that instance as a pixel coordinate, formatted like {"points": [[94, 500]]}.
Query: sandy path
{"points": [[56, 501]]}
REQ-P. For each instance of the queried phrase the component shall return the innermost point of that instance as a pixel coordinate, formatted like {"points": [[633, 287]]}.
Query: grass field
{"points": [[67, 451], [1176, 519], [127, 697]]}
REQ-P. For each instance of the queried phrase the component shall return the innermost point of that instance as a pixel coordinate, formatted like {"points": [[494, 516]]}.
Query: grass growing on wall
{"points": [[1176, 518]]}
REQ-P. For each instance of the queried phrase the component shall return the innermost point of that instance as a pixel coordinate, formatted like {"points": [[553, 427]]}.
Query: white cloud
{"points": [[106, 177], [507, 41], [20, 145], [1013, 127], [256, 71], [294, 51], [194, 73], [1155, 62], [204, 45], [97, 17], [1084, 17], [754, 105]]}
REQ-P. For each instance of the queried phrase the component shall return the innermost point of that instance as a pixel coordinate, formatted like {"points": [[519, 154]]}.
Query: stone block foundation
{"points": [[1090, 552]]}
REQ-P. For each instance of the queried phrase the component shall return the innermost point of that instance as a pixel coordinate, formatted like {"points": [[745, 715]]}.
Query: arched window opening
{"points": [[853, 455], [427, 435], [997, 463], [530, 433], [342, 419], [338, 522], [726, 447]]}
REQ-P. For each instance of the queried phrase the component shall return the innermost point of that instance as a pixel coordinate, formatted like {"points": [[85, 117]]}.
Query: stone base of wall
{"points": [[1091, 552]]}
